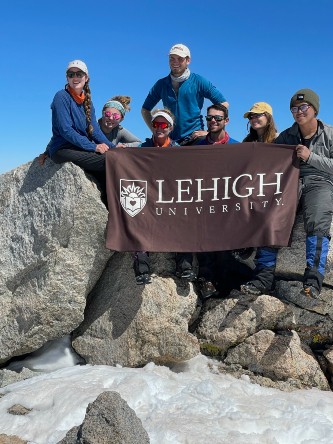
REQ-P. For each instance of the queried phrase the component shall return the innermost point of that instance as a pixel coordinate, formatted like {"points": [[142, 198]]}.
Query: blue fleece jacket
{"points": [[187, 105], [69, 125]]}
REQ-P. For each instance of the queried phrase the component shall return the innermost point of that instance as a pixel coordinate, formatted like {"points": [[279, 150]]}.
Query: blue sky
{"points": [[251, 51]]}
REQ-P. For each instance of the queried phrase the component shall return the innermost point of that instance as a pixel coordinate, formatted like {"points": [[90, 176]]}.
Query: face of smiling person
{"points": [[213, 125], [161, 134], [305, 116], [258, 121], [111, 118], [77, 82], [178, 64]]}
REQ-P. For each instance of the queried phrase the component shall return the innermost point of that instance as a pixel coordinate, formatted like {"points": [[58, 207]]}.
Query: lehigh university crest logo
{"points": [[133, 195]]}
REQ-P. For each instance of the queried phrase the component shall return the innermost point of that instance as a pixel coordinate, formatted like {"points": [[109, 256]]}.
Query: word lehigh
{"points": [[222, 188]]}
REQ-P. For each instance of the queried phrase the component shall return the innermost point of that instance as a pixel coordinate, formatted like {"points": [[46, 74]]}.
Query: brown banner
{"points": [[203, 198]]}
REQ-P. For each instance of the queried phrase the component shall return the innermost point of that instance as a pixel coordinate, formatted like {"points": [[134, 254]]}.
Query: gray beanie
{"points": [[306, 95]]}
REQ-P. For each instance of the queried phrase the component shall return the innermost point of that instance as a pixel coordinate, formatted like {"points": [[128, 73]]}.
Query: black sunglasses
{"points": [[217, 118], [78, 74]]}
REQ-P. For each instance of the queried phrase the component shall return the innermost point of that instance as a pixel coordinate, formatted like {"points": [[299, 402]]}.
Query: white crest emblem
{"points": [[133, 195]]}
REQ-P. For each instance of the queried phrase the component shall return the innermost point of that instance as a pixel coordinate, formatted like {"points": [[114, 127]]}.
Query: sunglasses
{"points": [[78, 74], [217, 118], [162, 125], [255, 115], [114, 116], [302, 108]]}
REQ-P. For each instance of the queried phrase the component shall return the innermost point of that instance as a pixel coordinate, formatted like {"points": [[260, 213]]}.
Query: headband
{"points": [[115, 104], [162, 114]]}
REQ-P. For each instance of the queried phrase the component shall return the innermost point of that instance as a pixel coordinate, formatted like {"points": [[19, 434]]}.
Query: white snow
{"points": [[190, 403]]}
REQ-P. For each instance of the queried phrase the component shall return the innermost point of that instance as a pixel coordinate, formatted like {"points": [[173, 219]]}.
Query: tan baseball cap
{"points": [[258, 108]]}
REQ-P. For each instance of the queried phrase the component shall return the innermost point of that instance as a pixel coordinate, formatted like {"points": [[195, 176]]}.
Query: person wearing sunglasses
{"points": [[217, 118], [77, 136], [262, 125], [113, 113], [313, 140], [183, 92], [162, 122], [262, 129]]}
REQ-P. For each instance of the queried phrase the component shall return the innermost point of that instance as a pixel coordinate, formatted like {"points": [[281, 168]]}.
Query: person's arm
{"points": [[98, 136], [146, 114], [126, 138], [152, 99], [68, 125]]}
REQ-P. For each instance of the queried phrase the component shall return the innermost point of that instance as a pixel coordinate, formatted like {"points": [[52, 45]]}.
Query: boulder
{"points": [[226, 323], [130, 324], [108, 419], [52, 253], [279, 357], [11, 439]]}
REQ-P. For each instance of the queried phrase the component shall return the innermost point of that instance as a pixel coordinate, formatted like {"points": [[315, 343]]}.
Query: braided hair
{"points": [[87, 107]]}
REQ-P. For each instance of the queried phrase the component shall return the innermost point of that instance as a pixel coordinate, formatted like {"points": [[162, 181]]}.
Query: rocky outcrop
{"points": [[11, 439], [58, 280], [108, 419], [52, 253], [131, 325], [279, 357]]}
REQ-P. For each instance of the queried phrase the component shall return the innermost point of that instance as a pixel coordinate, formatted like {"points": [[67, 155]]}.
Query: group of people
{"points": [[79, 138]]}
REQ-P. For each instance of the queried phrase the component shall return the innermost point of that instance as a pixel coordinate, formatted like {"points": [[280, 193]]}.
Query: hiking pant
{"points": [[206, 262], [316, 201], [90, 161]]}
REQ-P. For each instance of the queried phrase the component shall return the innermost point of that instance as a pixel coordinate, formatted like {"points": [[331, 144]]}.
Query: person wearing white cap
{"points": [[162, 121], [77, 136], [183, 92]]}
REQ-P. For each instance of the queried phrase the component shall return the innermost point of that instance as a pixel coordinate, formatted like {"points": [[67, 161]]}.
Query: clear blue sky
{"points": [[252, 51]]}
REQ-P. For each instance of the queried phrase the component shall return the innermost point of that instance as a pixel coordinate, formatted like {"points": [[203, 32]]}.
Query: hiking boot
{"points": [[251, 289], [141, 266], [142, 279], [311, 292], [206, 288], [245, 256], [185, 271]]}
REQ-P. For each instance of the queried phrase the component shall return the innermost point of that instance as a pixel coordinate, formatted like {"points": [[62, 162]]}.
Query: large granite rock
{"points": [[108, 420], [52, 253], [279, 357], [132, 325], [56, 277], [226, 323]]}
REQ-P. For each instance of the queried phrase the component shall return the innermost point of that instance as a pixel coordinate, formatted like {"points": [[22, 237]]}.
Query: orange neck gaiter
{"points": [[78, 98]]}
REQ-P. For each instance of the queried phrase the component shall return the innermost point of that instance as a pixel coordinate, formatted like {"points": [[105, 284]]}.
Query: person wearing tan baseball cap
{"points": [[183, 93], [262, 125], [313, 140]]}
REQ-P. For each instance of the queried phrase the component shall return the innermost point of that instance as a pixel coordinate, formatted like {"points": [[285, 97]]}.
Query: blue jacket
{"points": [[187, 105], [149, 143], [69, 125]]}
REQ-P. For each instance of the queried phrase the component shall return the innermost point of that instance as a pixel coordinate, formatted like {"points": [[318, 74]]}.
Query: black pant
{"points": [[90, 161]]}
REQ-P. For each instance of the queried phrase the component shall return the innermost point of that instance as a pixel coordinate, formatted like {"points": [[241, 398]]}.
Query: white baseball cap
{"points": [[78, 64], [180, 50]]}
